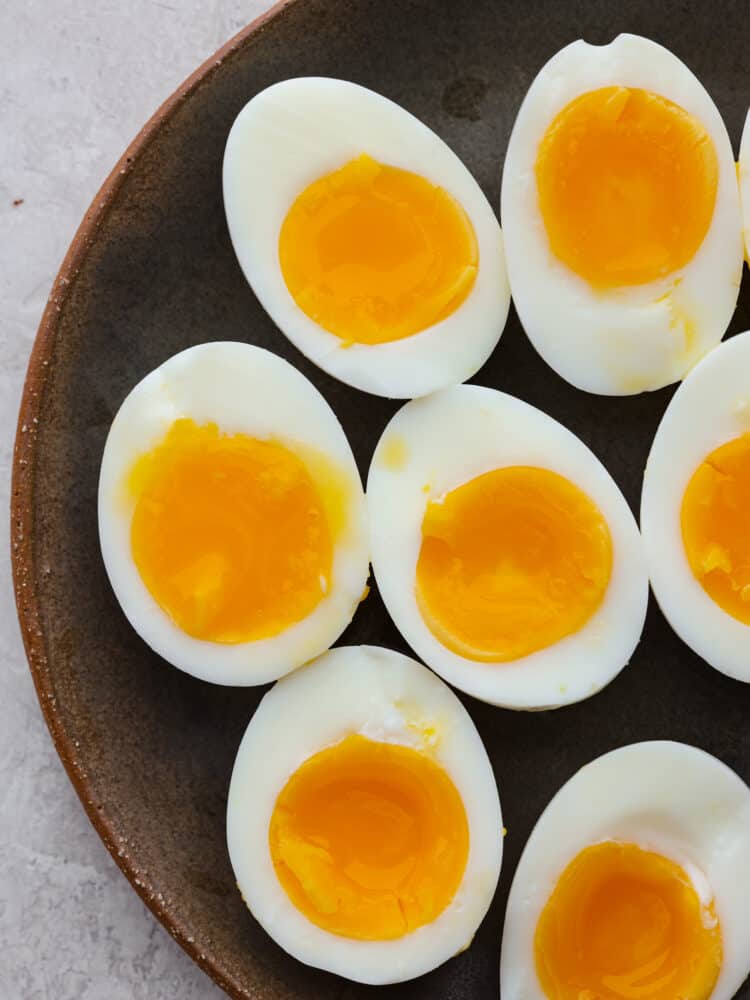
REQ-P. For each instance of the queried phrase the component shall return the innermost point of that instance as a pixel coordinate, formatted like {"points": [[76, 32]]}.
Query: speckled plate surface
{"points": [[151, 271]]}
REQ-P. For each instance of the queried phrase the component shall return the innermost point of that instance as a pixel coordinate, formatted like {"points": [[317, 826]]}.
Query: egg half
{"points": [[621, 217], [743, 176], [231, 515], [634, 883], [503, 549], [368, 840], [694, 509], [365, 238]]}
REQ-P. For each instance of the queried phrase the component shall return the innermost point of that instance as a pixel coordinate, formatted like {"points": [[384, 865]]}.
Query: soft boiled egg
{"points": [[634, 883], [231, 515], [504, 551], [365, 238], [368, 840], [695, 509], [621, 217], [743, 176]]}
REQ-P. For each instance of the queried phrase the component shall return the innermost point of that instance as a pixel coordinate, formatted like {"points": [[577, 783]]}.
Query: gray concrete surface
{"points": [[77, 80]]}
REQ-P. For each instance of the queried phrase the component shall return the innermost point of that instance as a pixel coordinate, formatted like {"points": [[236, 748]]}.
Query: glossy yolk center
{"points": [[627, 185], [716, 526], [510, 562], [369, 839], [230, 534], [373, 253], [626, 924]]}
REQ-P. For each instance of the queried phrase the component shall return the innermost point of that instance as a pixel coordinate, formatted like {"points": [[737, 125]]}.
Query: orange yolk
{"points": [[626, 924], [716, 528], [230, 534], [369, 840], [373, 253], [627, 185], [511, 561]]}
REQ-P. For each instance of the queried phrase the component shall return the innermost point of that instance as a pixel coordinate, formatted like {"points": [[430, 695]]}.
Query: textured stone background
{"points": [[77, 80]]}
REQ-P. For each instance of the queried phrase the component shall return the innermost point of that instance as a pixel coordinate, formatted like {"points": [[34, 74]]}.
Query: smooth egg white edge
{"points": [[244, 389], [711, 406], [355, 690], [296, 131], [452, 437], [620, 342], [663, 796]]}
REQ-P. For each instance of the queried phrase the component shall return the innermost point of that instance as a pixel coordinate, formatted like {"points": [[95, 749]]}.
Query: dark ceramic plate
{"points": [[151, 271]]}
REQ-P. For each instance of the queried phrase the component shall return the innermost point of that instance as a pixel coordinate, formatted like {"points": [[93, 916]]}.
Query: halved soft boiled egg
{"points": [[365, 238], [743, 176], [368, 840], [621, 217], [634, 883], [231, 515], [504, 551], [695, 509]]}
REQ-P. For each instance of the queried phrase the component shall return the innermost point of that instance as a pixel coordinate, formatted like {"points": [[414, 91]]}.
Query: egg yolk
{"points": [[230, 534], [374, 254], [716, 528], [369, 839], [510, 562], [627, 185], [624, 923]]}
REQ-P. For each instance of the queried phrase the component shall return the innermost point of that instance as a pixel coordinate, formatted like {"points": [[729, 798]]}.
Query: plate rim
{"points": [[23, 469]]}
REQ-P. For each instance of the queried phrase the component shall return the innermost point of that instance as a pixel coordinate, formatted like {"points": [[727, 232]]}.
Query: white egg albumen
{"points": [[711, 407], [243, 389], [296, 131], [667, 797], [743, 176], [449, 438], [631, 339], [387, 697]]}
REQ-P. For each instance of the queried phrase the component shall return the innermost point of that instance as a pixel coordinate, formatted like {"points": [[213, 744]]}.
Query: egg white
{"points": [[243, 389], [448, 439], [667, 797], [743, 176], [711, 407], [387, 697], [296, 131], [634, 338]]}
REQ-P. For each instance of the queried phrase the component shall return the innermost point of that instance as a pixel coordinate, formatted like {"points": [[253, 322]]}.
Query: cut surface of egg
{"points": [[694, 509], [743, 176], [364, 237], [621, 217], [368, 841], [231, 515], [633, 884], [503, 550]]}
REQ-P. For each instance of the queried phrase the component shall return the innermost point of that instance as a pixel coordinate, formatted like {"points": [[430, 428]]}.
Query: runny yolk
{"points": [[716, 529], [624, 923], [373, 253], [627, 185], [369, 839], [230, 534], [510, 562]]}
